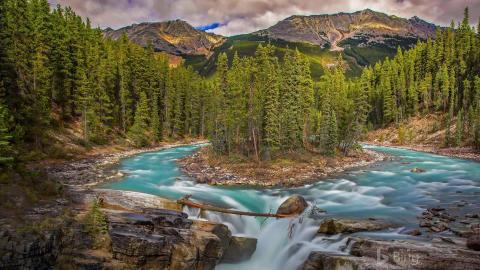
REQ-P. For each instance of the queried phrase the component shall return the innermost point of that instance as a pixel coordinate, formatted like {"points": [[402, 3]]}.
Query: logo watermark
{"points": [[401, 257]]}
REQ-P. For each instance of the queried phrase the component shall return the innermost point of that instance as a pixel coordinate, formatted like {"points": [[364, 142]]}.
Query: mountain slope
{"points": [[364, 28], [173, 37], [363, 38]]}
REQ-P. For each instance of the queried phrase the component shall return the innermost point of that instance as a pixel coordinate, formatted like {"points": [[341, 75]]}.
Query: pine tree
{"points": [[138, 131], [459, 129], [332, 135], [6, 155]]}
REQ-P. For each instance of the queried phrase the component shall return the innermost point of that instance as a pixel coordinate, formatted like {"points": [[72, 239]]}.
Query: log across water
{"points": [[186, 201]]}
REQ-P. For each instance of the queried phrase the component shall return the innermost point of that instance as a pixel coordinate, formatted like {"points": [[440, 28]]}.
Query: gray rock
{"points": [[330, 261], [159, 238], [335, 226], [473, 242], [416, 254], [240, 249]]}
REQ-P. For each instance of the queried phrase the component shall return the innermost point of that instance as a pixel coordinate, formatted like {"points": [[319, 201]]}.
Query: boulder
{"points": [[418, 170], [318, 260], [335, 226], [166, 239], [218, 229], [295, 205], [239, 249], [473, 242]]}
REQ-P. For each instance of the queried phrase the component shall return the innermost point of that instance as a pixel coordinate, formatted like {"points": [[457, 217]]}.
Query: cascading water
{"points": [[387, 190]]}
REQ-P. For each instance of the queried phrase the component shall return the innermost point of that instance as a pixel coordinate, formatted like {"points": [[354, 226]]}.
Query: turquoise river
{"points": [[387, 190]]}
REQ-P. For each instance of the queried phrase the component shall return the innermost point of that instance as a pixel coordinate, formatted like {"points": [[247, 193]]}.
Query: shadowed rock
{"points": [[240, 249]]}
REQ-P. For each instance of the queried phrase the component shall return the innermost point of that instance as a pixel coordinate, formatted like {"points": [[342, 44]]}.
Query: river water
{"points": [[387, 190]]}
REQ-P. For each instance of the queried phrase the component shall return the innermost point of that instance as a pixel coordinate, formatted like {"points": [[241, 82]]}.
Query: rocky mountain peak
{"points": [[367, 25], [175, 37]]}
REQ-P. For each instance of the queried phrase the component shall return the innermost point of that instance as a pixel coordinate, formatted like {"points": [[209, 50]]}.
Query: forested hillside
{"points": [[437, 76], [56, 69]]}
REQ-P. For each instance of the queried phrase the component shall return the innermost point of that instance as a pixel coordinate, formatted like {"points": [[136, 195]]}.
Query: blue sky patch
{"points": [[209, 26]]}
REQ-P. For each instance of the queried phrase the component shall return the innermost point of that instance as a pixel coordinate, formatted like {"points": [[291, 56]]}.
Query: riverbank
{"points": [[94, 169], [455, 152], [292, 170]]}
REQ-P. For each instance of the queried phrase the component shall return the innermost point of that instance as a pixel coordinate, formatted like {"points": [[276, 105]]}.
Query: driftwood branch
{"points": [[186, 201]]}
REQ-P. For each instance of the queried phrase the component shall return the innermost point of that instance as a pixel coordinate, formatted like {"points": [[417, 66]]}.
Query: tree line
{"points": [[56, 69], [267, 106], [439, 75]]}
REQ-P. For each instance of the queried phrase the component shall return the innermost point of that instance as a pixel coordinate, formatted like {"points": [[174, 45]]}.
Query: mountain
{"points": [[362, 28], [363, 38], [173, 37]]}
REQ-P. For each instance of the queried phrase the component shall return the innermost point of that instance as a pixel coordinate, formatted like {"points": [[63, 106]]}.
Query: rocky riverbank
{"points": [[456, 152], [288, 172], [361, 252], [94, 169]]}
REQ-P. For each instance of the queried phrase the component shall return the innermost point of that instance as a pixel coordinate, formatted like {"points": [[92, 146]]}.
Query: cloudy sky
{"points": [[229, 17]]}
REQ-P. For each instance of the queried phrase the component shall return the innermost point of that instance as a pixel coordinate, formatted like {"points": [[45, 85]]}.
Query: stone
{"points": [[318, 260], [166, 239], [335, 226], [416, 254], [418, 170], [415, 232], [218, 229], [473, 242], [240, 249], [294, 205]]}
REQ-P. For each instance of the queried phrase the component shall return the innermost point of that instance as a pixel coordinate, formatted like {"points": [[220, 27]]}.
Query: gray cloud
{"points": [[243, 16]]}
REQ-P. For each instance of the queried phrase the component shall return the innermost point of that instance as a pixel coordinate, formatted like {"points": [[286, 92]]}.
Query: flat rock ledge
{"points": [[335, 226], [395, 254]]}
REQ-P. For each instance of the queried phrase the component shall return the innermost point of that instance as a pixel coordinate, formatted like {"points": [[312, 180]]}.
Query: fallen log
{"points": [[186, 201]]}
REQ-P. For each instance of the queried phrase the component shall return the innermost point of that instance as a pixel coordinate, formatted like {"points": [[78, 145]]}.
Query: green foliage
{"points": [[331, 142], [56, 69], [95, 222], [6, 155]]}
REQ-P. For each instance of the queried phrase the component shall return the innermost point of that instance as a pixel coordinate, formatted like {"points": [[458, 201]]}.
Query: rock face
{"points": [[165, 239], [395, 254], [417, 255], [362, 28], [295, 205], [473, 242], [329, 261], [335, 226], [29, 250], [240, 249], [173, 37]]}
